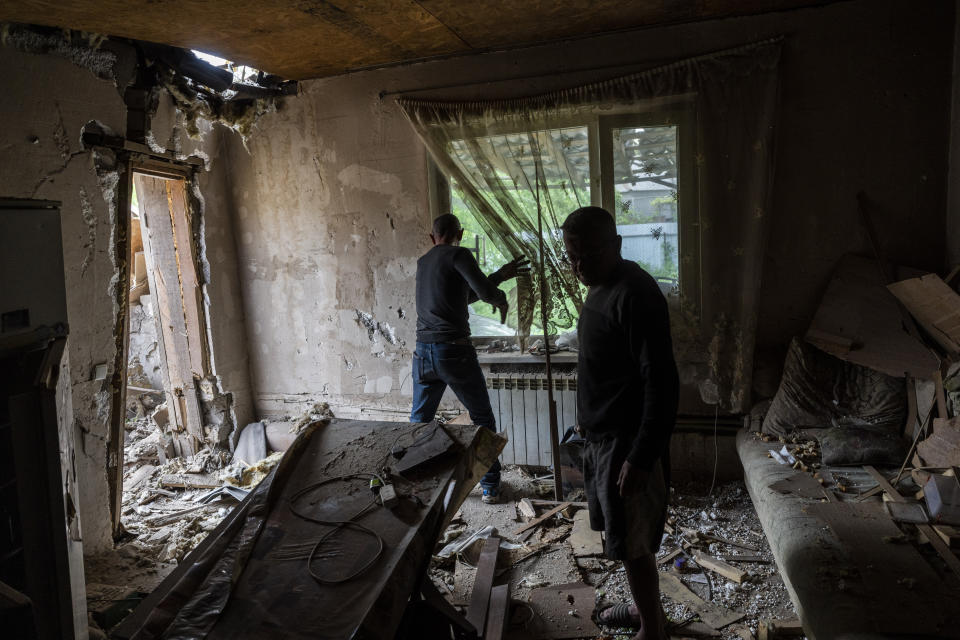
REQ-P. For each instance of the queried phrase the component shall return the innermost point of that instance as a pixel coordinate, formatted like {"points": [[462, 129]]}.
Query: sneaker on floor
{"points": [[491, 495]]}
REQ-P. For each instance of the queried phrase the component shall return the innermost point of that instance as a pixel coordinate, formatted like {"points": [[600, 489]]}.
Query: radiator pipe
{"points": [[552, 406]]}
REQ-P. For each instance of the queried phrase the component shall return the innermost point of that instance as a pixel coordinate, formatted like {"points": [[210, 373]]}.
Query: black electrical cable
{"points": [[351, 523], [337, 526]]}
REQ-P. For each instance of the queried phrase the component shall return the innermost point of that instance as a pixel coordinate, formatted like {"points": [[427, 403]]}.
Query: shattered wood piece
{"points": [[182, 481], [732, 543], [482, 584], [751, 558], [555, 534], [138, 476], [553, 503], [941, 396], [712, 614], [869, 493], [543, 548], [673, 554], [719, 566], [499, 612], [159, 521], [950, 535], [526, 508], [557, 509]]}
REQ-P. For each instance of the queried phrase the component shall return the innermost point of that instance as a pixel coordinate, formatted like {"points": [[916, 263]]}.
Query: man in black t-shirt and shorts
{"points": [[627, 394]]}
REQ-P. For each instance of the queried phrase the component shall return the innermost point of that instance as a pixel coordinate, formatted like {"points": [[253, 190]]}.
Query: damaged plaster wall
{"points": [[48, 99], [328, 283], [218, 255], [330, 202]]}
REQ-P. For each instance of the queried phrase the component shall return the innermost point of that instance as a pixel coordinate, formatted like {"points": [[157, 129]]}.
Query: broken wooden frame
{"points": [[130, 157]]}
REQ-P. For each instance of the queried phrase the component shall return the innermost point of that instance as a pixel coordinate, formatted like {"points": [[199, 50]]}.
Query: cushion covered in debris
{"points": [[820, 391], [861, 445]]}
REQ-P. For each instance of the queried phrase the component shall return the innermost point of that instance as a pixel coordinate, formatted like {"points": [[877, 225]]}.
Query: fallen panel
{"points": [[251, 577], [712, 614], [935, 306], [860, 321]]}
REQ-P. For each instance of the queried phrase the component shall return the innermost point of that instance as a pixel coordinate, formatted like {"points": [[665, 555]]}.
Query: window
{"points": [[641, 167]]}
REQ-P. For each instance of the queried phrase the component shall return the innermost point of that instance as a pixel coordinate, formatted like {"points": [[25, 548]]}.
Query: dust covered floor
{"points": [[724, 526]]}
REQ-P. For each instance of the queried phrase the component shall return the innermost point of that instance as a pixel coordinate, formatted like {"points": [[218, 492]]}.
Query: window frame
{"points": [[680, 113]]}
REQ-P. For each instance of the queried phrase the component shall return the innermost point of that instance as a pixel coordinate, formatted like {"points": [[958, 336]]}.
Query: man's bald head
{"points": [[592, 245], [591, 224]]}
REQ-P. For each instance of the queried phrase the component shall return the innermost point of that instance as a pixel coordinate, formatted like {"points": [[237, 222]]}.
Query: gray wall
{"points": [[330, 202]]}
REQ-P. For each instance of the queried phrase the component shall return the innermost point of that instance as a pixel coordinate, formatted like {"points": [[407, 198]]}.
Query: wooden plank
{"points": [[950, 535], [732, 543], [941, 396], [499, 612], [747, 558], [719, 566], [553, 503], [181, 222], [673, 554], [548, 514], [712, 614], [482, 585], [157, 221], [935, 540]]}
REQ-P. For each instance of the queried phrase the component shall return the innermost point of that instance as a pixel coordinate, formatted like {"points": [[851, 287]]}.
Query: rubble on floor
{"points": [[169, 505], [559, 554]]}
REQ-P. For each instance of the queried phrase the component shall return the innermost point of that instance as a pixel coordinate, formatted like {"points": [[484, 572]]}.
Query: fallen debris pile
{"points": [[718, 575]]}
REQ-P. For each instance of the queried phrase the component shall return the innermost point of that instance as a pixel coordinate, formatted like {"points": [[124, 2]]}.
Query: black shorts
{"points": [[632, 526]]}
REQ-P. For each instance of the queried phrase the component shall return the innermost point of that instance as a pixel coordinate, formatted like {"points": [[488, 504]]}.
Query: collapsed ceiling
{"points": [[300, 39]]}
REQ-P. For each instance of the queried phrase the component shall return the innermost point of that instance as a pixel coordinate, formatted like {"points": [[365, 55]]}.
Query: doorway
{"points": [[168, 355]]}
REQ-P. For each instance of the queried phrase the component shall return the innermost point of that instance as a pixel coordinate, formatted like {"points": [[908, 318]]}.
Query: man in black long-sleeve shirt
{"points": [[448, 280], [627, 394]]}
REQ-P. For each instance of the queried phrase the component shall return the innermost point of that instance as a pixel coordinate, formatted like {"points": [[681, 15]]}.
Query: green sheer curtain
{"points": [[514, 164]]}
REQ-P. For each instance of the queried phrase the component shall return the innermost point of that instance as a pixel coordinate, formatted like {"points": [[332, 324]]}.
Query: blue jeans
{"points": [[439, 365]]}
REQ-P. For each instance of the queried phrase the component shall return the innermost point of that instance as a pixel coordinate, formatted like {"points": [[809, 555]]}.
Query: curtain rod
{"points": [[654, 65]]}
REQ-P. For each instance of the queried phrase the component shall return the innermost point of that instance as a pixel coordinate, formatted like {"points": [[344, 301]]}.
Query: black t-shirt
{"points": [[449, 279], [627, 383]]}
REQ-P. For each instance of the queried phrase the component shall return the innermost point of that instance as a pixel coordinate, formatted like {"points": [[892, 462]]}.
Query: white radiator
{"points": [[520, 405]]}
